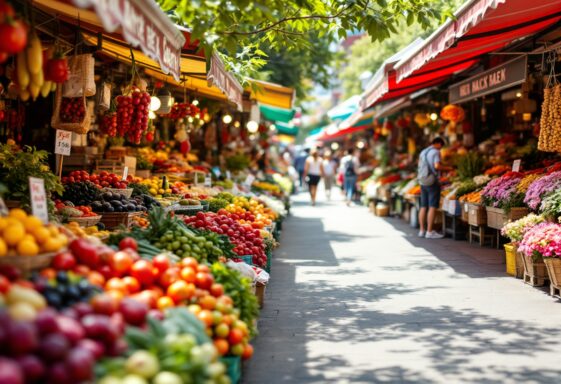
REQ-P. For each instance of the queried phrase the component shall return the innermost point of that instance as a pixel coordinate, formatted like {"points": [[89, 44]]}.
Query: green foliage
{"points": [[237, 162], [17, 166], [368, 54], [142, 164], [465, 188], [469, 165], [246, 32]]}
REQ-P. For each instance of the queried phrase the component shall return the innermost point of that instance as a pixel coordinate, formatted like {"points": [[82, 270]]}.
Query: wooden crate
{"points": [[497, 218], [553, 265], [535, 272], [476, 214], [465, 212], [115, 219], [260, 293]]}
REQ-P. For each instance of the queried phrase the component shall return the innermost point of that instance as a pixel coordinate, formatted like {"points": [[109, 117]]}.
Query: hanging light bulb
{"points": [[272, 127], [155, 103], [360, 144], [151, 115], [227, 119], [166, 101], [433, 116], [252, 126], [335, 146], [190, 119], [251, 137], [195, 102], [237, 124]]}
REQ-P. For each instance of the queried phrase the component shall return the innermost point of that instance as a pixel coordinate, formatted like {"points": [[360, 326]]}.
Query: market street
{"points": [[360, 299]]}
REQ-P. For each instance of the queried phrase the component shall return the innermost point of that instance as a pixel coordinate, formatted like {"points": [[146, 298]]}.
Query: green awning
{"points": [[277, 114], [285, 129]]}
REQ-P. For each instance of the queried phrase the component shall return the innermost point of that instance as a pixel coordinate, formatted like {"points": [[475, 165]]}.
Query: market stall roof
{"points": [[271, 94], [276, 114], [344, 109], [356, 117], [392, 107], [366, 121], [141, 23], [286, 129], [479, 27]]}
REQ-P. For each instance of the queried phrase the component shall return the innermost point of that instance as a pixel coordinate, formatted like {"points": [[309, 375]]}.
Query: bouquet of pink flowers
{"points": [[543, 240], [540, 188], [516, 230]]}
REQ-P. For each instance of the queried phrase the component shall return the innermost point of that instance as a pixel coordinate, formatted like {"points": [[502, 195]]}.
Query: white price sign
{"points": [[229, 175], [38, 196], [208, 181], [249, 180], [125, 173], [516, 165], [63, 142]]}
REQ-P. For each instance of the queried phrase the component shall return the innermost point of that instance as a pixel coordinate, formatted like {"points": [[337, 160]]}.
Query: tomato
{"points": [[104, 304], [204, 280], [128, 242], [4, 284], [13, 37], [85, 252], [189, 275], [6, 11], [132, 284], [216, 290], [222, 346], [222, 330], [247, 351], [116, 284], [64, 261], [147, 297], [235, 336], [96, 278], [143, 270], [208, 302], [169, 276], [57, 70], [48, 273], [203, 268], [237, 349], [180, 291], [121, 262], [190, 262], [161, 263], [165, 302], [206, 317]]}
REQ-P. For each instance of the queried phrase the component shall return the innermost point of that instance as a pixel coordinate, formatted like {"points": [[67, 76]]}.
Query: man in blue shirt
{"points": [[300, 165]]}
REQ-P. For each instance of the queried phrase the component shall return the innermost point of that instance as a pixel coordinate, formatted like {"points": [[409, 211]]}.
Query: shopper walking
{"points": [[428, 174], [349, 168], [300, 165], [313, 172], [329, 167]]}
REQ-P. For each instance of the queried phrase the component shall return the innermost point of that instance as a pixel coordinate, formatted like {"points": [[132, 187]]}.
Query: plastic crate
{"points": [[269, 261], [248, 259], [233, 368]]}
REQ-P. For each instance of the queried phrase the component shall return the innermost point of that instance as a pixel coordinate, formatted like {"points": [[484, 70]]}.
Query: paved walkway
{"points": [[360, 299]]}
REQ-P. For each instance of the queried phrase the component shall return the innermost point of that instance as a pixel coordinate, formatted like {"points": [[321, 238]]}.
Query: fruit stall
{"points": [[135, 244]]}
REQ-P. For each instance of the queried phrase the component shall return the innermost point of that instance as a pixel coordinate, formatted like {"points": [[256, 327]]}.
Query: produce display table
{"points": [[453, 225], [481, 234]]}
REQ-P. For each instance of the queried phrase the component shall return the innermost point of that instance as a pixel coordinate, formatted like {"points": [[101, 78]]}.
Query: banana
{"points": [[38, 78], [34, 55], [46, 88], [24, 95], [53, 87], [23, 75], [34, 90]]}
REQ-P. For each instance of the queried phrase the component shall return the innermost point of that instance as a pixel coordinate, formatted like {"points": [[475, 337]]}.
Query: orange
{"points": [[222, 346], [3, 223], [27, 247], [3, 248], [14, 233], [32, 223], [18, 213], [206, 317], [41, 234], [52, 244]]}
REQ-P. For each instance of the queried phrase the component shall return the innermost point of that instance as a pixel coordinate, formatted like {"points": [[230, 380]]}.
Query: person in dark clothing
{"points": [[300, 165]]}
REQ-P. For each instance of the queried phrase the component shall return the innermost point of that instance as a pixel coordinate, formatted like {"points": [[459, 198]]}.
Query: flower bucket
{"points": [[535, 271], [510, 256], [497, 217]]}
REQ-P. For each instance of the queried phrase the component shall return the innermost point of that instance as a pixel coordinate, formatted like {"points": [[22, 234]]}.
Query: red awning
{"points": [[481, 26]]}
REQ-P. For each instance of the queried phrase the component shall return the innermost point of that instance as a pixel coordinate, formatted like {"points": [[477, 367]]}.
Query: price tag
{"points": [[125, 173], [516, 165], [466, 208], [63, 142], [208, 181], [3, 208], [38, 199], [229, 175], [249, 180]]}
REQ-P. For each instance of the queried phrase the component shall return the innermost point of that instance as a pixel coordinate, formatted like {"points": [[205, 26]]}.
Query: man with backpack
{"points": [[428, 174], [349, 168]]}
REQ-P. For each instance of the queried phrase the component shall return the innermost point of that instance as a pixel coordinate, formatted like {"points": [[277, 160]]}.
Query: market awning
{"points": [[357, 117], [276, 114], [141, 23], [270, 94], [366, 121], [221, 78], [344, 109], [392, 107], [286, 129], [480, 27]]}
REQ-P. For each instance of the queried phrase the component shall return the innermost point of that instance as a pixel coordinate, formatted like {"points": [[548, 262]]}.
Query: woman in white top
{"points": [[329, 167], [313, 172]]}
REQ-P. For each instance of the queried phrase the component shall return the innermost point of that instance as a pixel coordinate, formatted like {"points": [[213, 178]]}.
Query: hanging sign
{"points": [[516, 165], [495, 79], [63, 142], [38, 196]]}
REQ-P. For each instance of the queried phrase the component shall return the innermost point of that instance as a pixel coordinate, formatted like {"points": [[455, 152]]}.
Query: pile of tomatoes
{"points": [[247, 240], [72, 109], [103, 180], [108, 124]]}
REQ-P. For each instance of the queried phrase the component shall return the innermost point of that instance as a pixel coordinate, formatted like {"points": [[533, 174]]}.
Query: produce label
{"points": [[516, 165], [125, 173], [208, 181], [249, 180], [63, 142], [38, 199]]}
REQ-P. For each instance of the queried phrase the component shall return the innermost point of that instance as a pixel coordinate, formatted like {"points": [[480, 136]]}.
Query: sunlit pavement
{"points": [[360, 299]]}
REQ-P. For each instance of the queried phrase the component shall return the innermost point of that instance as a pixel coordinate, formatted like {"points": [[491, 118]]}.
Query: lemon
{"points": [[14, 233], [31, 223], [52, 244], [153, 191], [3, 248], [64, 240], [3, 223], [54, 230], [41, 234], [18, 213], [27, 247]]}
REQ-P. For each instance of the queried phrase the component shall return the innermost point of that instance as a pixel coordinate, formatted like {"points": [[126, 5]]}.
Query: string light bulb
{"points": [[252, 126], [227, 119]]}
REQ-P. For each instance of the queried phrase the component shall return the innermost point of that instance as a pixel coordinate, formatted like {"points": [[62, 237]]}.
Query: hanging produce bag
{"points": [[104, 97], [71, 113], [81, 80]]}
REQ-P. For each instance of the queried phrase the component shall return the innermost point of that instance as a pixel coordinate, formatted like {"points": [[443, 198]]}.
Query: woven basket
{"points": [[29, 263], [115, 219], [87, 221], [127, 192]]}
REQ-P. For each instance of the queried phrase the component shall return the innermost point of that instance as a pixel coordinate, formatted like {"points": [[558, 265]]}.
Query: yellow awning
{"points": [[271, 94], [192, 83]]}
